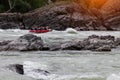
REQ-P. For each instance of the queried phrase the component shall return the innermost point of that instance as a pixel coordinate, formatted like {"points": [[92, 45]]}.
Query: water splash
{"points": [[114, 77], [71, 31]]}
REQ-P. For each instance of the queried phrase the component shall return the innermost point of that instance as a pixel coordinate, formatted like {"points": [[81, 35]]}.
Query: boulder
{"points": [[55, 47], [69, 46], [117, 41], [26, 42], [18, 68], [103, 48], [72, 46], [3, 43], [94, 43]]}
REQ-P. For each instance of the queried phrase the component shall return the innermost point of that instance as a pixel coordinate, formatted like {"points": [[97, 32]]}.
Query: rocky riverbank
{"points": [[62, 15], [31, 42]]}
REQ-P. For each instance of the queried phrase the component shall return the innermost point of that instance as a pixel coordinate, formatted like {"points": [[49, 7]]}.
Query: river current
{"points": [[62, 65]]}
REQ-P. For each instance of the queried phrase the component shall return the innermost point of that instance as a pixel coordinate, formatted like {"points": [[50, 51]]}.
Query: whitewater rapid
{"points": [[61, 65]]}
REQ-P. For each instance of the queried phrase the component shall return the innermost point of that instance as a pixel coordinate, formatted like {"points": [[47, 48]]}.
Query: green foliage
{"points": [[1, 8], [36, 3], [23, 5]]}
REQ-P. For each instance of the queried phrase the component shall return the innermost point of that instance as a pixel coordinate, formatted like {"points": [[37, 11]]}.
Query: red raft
{"points": [[40, 31]]}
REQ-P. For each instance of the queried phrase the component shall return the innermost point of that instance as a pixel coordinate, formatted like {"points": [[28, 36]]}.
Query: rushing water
{"points": [[62, 65]]}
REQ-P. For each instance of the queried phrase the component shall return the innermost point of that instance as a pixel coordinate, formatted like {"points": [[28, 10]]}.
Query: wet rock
{"points": [[98, 42], [3, 43], [46, 73], [55, 47], [103, 48], [72, 46], [26, 42], [117, 41], [108, 37], [93, 36], [93, 43], [18, 68], [45, 48]]}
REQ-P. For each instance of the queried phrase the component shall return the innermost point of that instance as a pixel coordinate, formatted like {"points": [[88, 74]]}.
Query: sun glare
{"points": [[96, 3]]}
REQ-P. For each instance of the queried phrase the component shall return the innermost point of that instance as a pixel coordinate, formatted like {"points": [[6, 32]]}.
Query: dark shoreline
{"points": [[57, 17]]}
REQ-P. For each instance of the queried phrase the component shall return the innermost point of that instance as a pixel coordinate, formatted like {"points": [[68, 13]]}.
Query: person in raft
{"points": [[41, 28]]}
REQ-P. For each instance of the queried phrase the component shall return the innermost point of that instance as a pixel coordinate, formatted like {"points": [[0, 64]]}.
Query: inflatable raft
{"points": [[40, 31]]}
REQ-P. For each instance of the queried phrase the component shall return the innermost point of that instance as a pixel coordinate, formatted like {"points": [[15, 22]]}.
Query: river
{"points": [[62, 65]]}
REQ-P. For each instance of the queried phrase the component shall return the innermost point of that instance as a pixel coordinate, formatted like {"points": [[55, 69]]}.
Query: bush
{"points": [[1, 8], [21, 6], [36, 3]]}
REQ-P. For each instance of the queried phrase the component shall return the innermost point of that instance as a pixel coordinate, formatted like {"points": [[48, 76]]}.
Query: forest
{"points": [[23, 5]]}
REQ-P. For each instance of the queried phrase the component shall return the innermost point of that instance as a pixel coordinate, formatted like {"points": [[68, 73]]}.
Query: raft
{"points": [[40, 31]]}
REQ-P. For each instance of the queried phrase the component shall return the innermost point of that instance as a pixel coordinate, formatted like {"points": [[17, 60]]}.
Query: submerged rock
{"points": [[18, 68]]}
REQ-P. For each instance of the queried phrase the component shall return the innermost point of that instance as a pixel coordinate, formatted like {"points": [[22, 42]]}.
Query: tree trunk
{"points": [[10, 4]]}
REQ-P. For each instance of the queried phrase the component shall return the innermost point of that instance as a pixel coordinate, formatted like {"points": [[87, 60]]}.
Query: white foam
{"points": [[72, 77], [28, 65], [31, 67], [114, 77], [1, 30], [71, 31]]}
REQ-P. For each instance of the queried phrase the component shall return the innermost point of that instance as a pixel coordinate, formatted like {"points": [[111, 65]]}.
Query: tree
{"points": [[11, 4]]}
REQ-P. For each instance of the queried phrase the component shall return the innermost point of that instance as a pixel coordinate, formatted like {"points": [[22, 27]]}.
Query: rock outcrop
{"points": [[31, 42], [61, 15], [10, 20], [26, 42], [93, 43], [68, 14]]}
